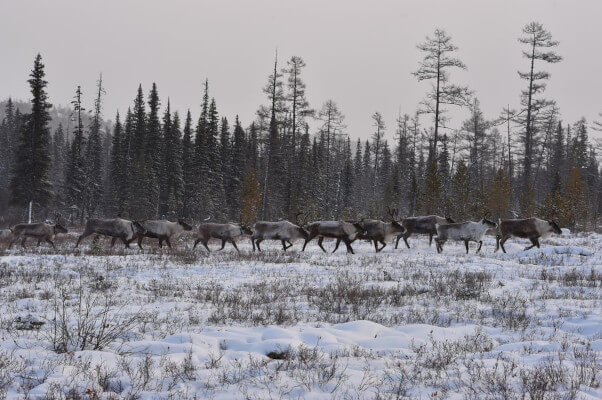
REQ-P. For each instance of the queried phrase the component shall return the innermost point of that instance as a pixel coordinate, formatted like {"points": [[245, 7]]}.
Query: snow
{"points": [[306, 324]]}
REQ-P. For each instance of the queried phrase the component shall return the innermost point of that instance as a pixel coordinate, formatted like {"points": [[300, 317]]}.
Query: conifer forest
{"points": [[150, 160]]}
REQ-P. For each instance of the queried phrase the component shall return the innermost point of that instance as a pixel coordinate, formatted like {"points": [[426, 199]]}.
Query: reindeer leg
{"points": [[140, 237], [283, 245], [205, 242], [259, 241], [168, 243], [309, 239], [39, 241], [337, 245], [384, 245], [349, 248], [51, 242], [253, 242], [375, 245], [223, 244], [502, 241], [430, 239], [397, 241], [534, 242], [405, 239], [234, 244], [497, 243], [197, 242], [160, 243], [320, 240], [126, 242], [113, 240], [82, 236], [13, 240], [23, 241], [480, 245], [466, 244]]}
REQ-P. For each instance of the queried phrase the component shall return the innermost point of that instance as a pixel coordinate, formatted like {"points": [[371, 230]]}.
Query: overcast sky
{"points": [[360, 54]]}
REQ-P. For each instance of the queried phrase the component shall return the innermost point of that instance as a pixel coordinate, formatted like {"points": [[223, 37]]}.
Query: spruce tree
{"points": [[188, 169], [30, 181], [138, 206], [173, 162], [76, 178], [201, 202], [94, 156], [167, 154], [153, 160], [238, 164], [116, 198]]}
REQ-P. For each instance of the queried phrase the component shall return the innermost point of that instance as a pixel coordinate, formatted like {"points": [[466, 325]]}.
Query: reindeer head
{"points": [[184, 225], [395, 221], [489, 223], [58, 228], [246, 229], [139, 229], [555, 228]]}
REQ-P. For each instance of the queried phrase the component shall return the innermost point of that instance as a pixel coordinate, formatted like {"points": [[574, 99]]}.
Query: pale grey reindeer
{"points": [[464, 231], [161, 229], [529, 228], [284, 231], [342, 231], [117, 228], [229, 232]]}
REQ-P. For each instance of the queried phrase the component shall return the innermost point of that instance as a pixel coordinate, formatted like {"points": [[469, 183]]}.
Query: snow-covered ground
{"points": [[99, 323]]}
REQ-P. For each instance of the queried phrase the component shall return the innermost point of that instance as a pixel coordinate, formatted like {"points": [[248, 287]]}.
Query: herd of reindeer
{"points": [[375, 231]]}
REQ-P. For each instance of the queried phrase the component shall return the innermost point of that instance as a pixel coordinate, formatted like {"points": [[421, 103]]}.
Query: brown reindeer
{"points": [[425, 225], [380, 231], [530, 228], [342, 231]]}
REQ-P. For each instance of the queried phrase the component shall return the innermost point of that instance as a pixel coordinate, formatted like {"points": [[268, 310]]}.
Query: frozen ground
{"points": [[94, 323]]}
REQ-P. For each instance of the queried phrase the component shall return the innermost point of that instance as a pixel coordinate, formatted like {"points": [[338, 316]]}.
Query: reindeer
{"points": [[422, 225], [226, 232], [530, 228], [285, 231], [342, 231], [117, 228], [463, 231], [380, 231], [40, 230], [162, 230]]}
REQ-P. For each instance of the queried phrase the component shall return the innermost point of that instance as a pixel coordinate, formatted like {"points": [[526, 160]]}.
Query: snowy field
{"points": [[97, 323]]}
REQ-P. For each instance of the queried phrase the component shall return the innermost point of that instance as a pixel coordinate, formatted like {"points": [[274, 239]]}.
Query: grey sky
{"points": [[360, 54]]}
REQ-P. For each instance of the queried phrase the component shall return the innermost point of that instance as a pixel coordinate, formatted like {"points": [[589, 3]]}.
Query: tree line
{"points": [[154, 162]]}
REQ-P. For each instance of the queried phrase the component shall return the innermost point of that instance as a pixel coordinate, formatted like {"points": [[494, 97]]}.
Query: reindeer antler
{"points": [[393, 213], [297, 217]]}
